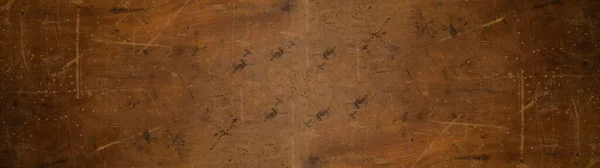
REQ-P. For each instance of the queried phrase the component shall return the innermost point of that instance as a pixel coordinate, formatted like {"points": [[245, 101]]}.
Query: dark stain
{"points": [[287, 5], [453, 32], [147, 136], [359, 101], [585, 64], [269, 116], [240, 66], [312, 161], [322, 113], [54, 163], [474, 157], [330, 51], [277, 54], [14, 103], [542, 5]]}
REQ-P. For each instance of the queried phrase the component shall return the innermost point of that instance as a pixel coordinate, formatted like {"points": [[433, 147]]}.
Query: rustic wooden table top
{"points": [[299, 83]]}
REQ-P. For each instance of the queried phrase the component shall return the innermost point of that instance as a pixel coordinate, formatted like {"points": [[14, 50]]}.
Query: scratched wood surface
{"points": [[299, 83]]}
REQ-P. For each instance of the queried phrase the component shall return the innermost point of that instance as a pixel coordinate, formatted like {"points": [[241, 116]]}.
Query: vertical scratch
{"points": [[233, 30], [306, 30], [366, 146], [357, 61], [578, 134], [293, 135], [242, 106], [522, 111], [77, 70], [21, 40]]}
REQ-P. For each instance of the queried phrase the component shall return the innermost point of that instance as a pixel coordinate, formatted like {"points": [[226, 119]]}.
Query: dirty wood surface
{"points": [[299, 83]]}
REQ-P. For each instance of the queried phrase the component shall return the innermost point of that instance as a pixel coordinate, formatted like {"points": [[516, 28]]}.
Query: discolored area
{"points": [[299, 83]]}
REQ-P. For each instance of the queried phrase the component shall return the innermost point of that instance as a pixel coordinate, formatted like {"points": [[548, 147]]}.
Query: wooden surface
{"points": [[299, 83]]}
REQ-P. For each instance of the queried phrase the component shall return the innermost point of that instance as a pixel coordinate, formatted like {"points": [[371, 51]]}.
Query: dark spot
{"points": [[145, 51], [287, 5], [235, 120], [277, 54], [147, 136], [330, 51], [239, 67], [364, 47], [322, 113], [312, 161], [359, 101], [453, 32], [269, 116], [15, 103], [454, 116]]}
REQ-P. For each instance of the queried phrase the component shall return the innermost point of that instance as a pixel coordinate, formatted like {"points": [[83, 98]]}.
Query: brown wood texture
{"points": [[300, 83]]}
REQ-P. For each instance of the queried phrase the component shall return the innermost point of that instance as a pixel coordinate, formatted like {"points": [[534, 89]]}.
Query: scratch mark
{"points": [[21, 38], [578, 135], [306, 29], [242, 106], [77, 55], [473, 29], [133, 44], [469, 124], [426, 151], [125, 139], [167, 24]]}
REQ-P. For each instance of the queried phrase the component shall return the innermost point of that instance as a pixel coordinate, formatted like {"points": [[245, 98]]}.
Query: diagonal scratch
{"points": [[476, 28], [169, 21], [426, 151]]}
